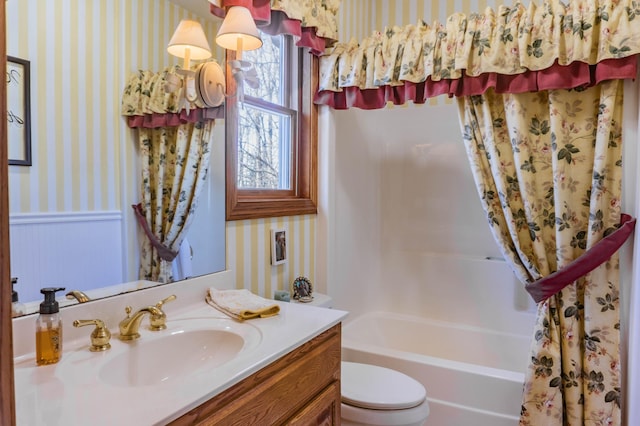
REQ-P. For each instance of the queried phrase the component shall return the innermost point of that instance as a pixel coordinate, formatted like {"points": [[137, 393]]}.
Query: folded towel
{"points": [[241, 304]]}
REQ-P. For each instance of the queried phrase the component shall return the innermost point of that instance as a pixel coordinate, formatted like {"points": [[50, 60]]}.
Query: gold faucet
{"points": [[158, 322], [78, 295], [130, 325]]}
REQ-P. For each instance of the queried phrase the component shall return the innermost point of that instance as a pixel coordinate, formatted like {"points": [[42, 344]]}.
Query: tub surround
{"points": [[472, 375], [55, 395]]}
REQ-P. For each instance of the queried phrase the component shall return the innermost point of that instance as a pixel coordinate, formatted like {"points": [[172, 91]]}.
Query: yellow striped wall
{"points": [[249, 253], [81, 54]]}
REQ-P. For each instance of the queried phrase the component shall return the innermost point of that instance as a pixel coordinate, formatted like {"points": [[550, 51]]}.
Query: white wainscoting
{"points": [[75, 250]]}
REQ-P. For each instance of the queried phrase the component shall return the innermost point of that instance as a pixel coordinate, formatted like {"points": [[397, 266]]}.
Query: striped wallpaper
{"points": [[81, 54], [249, 253]]}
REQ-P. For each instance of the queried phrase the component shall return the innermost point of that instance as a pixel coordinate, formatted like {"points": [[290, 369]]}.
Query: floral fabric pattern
{"points": [[145, 94], [175, 163], [320, 14], [314, 23], [548, 167], [509, 41]]}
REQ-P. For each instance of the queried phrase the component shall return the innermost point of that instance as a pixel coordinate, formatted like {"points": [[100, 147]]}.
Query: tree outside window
{"points": [[272, 134]]}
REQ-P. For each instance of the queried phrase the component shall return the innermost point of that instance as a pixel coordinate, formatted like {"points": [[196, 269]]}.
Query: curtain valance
{"points": [[515, 49], [313, 22], [146, 103]]}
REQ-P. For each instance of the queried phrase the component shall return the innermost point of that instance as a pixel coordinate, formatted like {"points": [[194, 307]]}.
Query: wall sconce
{"points": [[239, 32], [188, 42]]}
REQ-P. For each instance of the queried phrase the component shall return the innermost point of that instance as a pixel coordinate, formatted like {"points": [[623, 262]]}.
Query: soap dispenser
{"points": [[49, 329], [17, 308]]}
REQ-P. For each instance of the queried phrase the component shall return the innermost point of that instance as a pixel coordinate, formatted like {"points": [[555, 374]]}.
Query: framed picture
{"points": [[18, 111], [278, 246]]}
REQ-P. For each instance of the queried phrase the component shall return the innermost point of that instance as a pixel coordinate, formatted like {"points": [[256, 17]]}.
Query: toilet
{"points": [[374, 395]]}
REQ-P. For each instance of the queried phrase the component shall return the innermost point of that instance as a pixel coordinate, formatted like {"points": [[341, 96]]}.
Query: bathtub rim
{"points": [[469, 368]]}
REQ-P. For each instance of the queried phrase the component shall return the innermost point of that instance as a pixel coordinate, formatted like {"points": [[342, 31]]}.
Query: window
{"points": [[272, 135]]}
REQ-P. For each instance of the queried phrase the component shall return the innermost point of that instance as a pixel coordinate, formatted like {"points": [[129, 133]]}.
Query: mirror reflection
{"points": [[71, 221]]}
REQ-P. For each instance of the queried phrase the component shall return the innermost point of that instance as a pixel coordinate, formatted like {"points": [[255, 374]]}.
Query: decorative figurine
{"points": [[302, 290]]}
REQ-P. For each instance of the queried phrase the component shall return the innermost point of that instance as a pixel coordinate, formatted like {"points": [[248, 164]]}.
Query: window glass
{"points": [[266, 124], [269, 62], [264, 148]]}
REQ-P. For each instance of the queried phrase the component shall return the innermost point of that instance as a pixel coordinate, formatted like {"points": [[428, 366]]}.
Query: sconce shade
{"points": [[238, 23], [189, 35]]}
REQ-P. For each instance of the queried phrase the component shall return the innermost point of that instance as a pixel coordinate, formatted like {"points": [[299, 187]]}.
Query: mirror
{"points": [[71, 221]]}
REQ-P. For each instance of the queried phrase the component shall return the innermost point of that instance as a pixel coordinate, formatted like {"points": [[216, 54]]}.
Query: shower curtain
{"points": [[548, 167], [540, 101]]}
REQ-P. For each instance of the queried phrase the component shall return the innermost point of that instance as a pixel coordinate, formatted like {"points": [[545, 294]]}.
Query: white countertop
{"points": [[72, 392]]}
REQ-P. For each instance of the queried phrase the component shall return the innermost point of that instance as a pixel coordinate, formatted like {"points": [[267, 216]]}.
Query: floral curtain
{"points": [[515, 49], [145, 102], [548, 168], [175, 163], [174, 147], [313, 22]]}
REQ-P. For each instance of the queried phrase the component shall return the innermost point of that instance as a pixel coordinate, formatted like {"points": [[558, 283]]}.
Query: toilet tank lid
{"points": [[380, 388], [319, 299]]}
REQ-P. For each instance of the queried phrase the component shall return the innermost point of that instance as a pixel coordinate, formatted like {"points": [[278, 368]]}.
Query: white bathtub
{"points": [[473, 376]]}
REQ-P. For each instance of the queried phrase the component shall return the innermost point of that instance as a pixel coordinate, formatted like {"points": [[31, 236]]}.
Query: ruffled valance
{"points": [[147, 104], [313, 22], [547, 46]]}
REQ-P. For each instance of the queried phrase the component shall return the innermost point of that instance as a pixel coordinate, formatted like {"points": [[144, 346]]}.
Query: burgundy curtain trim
{"points": [[260, 9], [276, 22], [600, 252], [281, 24], [162, 250], [153, 121], [574, 75]]}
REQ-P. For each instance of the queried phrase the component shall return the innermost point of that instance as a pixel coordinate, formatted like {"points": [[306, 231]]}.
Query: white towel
{"points": [[241, 304]]}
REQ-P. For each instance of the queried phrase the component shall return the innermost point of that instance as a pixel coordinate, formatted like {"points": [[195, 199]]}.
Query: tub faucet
{"points": [[130, 325], [78, 295]]}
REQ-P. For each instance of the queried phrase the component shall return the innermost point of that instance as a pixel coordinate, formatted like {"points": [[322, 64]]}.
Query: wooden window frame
{"points": [[303, 196]]}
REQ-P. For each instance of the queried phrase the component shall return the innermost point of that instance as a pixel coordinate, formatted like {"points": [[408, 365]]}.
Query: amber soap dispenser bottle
{"points": [[49, 329]]}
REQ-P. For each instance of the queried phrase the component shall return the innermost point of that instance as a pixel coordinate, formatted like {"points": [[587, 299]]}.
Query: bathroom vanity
{"points": [[268, 371], [301, 388]]}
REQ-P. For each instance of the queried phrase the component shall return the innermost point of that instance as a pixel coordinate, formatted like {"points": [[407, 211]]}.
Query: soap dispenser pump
{"points": [[17, 308], [49, 329]]}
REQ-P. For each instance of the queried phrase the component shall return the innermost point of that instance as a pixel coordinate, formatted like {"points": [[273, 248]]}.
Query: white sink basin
{"points": [[151, 362], [186, 348]]}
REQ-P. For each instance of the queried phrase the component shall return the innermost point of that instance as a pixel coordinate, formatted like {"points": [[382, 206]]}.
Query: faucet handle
{"points": [[99, 337], [158, 321], [163, 301]]}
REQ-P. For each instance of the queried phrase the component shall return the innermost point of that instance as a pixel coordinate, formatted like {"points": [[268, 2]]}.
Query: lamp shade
{"points": [[238, 24], [189, 35]]}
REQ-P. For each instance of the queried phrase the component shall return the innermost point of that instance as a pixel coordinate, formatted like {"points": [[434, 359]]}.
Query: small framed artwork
{"points": [[278, 246], [18, 111]]}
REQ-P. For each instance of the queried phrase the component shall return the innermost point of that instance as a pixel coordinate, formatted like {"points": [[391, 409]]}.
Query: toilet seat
{"points": [[374, 387]]}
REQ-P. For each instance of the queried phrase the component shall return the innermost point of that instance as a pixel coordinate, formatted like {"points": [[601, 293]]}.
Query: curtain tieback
{"points": [[164, 252], [601, 251]]}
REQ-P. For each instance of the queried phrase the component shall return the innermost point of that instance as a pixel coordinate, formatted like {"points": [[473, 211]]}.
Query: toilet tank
{"points": [[319, 299]]}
